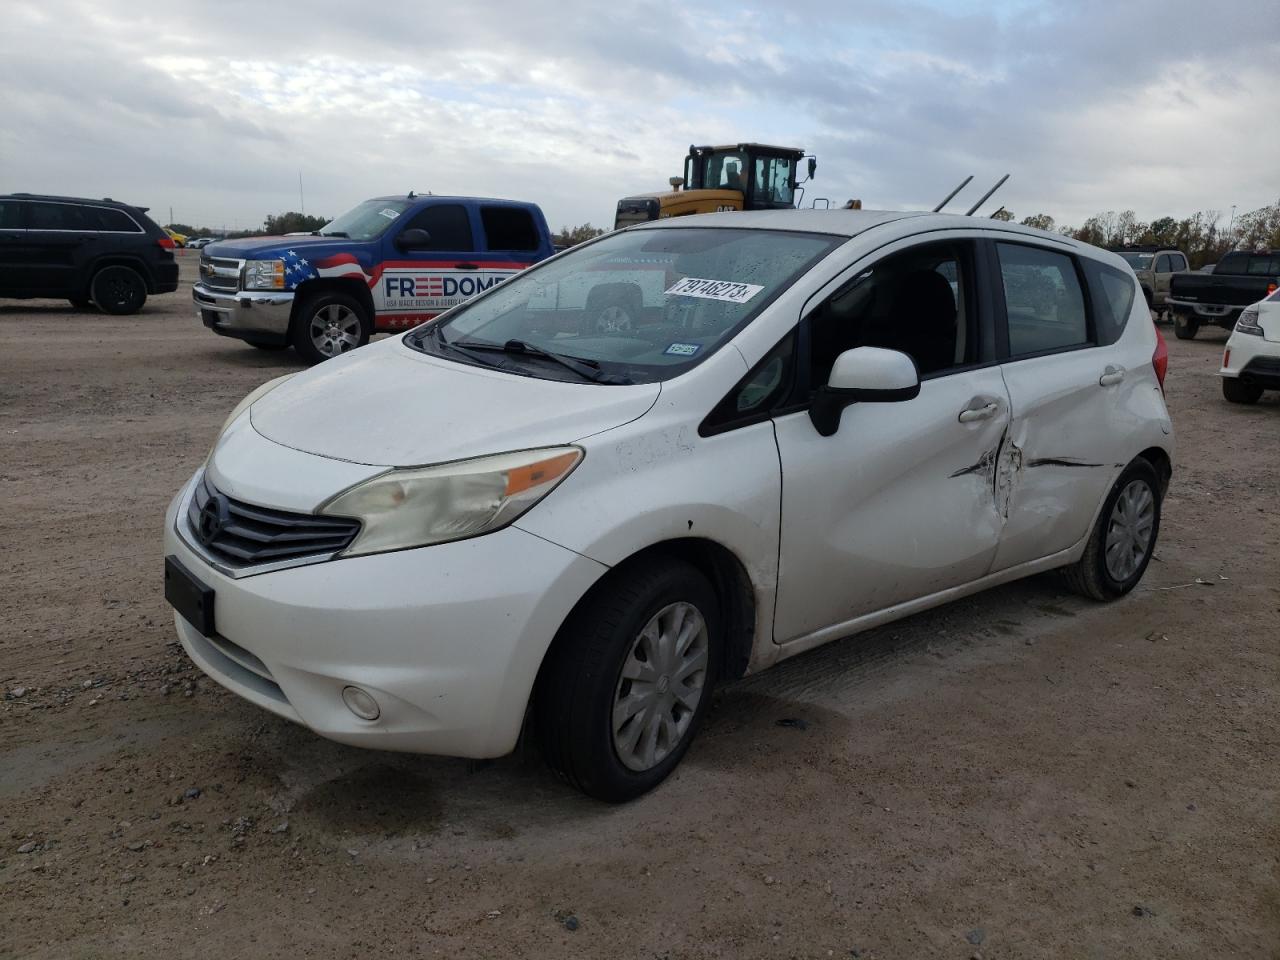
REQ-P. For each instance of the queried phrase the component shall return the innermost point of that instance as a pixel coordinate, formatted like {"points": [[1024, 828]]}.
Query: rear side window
{"points": [[10, 215], [1112, 292], [448, 226], [1263, 266], [509, 228], [1233, 263], [1043, 300], [61, 216], [116, 221]]}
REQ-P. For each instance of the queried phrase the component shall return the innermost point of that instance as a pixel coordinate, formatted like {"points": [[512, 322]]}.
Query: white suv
{"points": [[827, 420], [1251, 360]]}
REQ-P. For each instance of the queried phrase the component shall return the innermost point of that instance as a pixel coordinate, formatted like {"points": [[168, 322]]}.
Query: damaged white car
{"points": [[661, 460]]}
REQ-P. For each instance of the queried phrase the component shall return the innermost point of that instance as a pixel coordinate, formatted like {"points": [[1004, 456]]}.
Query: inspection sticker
{"points": [[682, 349], [389, 213], [725, 290]]}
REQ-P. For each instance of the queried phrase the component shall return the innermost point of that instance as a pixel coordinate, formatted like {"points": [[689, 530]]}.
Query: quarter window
{"points": [[116, 221], [1043, 300], [1113, 292], [448, 226]]}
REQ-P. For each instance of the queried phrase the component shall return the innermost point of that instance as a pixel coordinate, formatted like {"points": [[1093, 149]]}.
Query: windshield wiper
{"points": [[587, 369], [436, 330]]}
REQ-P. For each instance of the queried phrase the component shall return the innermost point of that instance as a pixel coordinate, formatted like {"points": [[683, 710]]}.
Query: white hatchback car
{"points": [[1251, 360], [583, 517]]}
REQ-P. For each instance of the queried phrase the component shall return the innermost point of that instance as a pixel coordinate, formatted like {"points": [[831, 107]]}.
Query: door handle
{"points": [[979, 413], [466, 266], [1111, 375]]}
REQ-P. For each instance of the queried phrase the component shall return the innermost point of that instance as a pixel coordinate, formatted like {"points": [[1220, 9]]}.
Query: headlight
{"points": [[1248, 322], [423, 505], [264, 274], [253, 397]]}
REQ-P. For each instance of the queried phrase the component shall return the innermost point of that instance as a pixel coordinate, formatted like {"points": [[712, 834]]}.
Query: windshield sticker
{"points": [[682, 349], [389, 213], [725, 290]]}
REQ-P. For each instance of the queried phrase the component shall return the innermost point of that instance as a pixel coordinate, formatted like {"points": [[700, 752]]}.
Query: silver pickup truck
{"points": [[1155, 267]]}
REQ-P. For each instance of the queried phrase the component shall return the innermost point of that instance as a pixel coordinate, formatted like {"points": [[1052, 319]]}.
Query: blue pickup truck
{"points": [[388, 264]]}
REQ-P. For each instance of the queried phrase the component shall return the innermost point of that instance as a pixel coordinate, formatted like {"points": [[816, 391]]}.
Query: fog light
{"points": [[360, 703]]}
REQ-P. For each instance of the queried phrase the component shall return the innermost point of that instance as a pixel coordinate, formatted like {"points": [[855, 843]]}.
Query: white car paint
{"points": [[908, 505], [1243, 349]]}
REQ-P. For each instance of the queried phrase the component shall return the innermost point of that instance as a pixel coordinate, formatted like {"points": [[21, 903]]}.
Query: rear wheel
{"points": [[613, 308], [330, 324], [625, 687], [1237, 391], [1124, 538], [118, 290], [1185, 327]]}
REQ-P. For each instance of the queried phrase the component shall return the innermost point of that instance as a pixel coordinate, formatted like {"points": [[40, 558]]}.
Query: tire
{"points": [[582, 683], [1184, 327], [1106, 574], [329, 324], [1237, 391], [80, 303], [118, 290], [613, 308]]}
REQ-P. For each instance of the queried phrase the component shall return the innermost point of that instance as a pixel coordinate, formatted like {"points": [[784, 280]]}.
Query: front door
{"points": [[900, 502], [13, 255]]}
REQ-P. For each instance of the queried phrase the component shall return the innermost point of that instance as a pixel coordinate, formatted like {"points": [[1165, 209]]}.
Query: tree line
{"points": [[1202, 236]]}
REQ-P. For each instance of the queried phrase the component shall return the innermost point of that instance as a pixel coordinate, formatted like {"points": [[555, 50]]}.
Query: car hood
{"points": [[267, 248], [389, 405]]}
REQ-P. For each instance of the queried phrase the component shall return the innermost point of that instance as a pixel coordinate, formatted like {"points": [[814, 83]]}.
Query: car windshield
{"points": [[1139, 261], [638, 306], [366, 220]]}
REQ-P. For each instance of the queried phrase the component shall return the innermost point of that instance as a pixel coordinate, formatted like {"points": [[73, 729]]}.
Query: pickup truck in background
{"points": [[1154, 267], [1239, 279], [388, 264]]}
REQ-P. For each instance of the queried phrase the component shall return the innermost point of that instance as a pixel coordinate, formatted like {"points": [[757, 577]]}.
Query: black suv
{"points": [[96, 251]]}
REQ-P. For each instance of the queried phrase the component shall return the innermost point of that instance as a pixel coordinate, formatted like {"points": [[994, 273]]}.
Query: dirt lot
{"points": [[1022, 774]]}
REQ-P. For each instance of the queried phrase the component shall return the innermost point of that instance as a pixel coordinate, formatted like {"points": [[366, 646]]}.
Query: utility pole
{"points": [[171, 215], [302, 203]]}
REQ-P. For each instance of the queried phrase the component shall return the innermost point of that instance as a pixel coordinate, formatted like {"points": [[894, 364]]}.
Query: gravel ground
{"points": [[1020, 774]]}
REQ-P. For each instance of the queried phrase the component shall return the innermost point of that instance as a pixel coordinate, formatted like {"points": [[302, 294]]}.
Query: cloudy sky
{"points": [[214, 108]]}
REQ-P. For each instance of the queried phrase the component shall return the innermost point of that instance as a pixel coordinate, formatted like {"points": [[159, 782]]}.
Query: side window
{"points": [[60, 216], [1177, 262], [1112, 293], [1043, 299], [1162, 263], [10, 215], [919, 301], [448, 226], [773, 180], [116, 221], [1263, 265], [1233, 263], [509, 228]]}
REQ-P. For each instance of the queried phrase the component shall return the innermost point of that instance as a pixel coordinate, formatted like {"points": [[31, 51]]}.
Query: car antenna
{"points": [[987, 196], [951, 195], [997, 213]]}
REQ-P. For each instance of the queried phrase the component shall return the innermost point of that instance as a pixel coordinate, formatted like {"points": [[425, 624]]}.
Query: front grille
{"points": [[219, 273], [242, 535]]}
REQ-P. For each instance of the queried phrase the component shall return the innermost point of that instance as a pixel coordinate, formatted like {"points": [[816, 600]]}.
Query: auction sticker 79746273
{"points": [[726, 290]]}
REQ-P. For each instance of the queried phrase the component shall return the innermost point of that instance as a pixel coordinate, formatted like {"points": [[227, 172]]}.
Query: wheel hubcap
{"points": [[335, 329], [613, 320], [1129, 530], [660, 686]]}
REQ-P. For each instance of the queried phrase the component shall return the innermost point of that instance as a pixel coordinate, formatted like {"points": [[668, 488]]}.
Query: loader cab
{"points": [[743, 176]]}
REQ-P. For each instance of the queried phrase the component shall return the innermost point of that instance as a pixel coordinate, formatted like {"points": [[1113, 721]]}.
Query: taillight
{"points": [[1160, 359], [1271, 288], [1226, 358], [167, 243]]}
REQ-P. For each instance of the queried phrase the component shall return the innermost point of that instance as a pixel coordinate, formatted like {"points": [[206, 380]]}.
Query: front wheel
{"points": [[1237, 391], [1124, 538], [328, 325], [118, 290], [1185, 327], [625, 687]]}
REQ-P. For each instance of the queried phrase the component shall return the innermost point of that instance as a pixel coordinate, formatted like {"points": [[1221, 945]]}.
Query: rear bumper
{"points": [[166, 278], [259, 316], [1222, 314]]}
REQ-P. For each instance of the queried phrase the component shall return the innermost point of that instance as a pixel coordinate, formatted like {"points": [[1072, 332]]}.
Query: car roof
{"points": [[97, 201], [435, 196], [850, 223]]}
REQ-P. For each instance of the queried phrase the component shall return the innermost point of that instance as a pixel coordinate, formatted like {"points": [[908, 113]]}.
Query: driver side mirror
{"points": [[863, 375], [414, 238], [813, 166]]}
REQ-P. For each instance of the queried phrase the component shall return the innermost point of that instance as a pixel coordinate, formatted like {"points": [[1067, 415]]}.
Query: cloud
{"points": [[1162, 106]]}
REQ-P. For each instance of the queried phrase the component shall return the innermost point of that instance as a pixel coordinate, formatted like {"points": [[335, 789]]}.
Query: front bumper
{"points": [[261, 316], [1252, 359], [448, 639]]}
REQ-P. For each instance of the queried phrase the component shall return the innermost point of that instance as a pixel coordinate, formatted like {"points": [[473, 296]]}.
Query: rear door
{"points": [[13, 238], [63, 240], [1066, 389]]}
